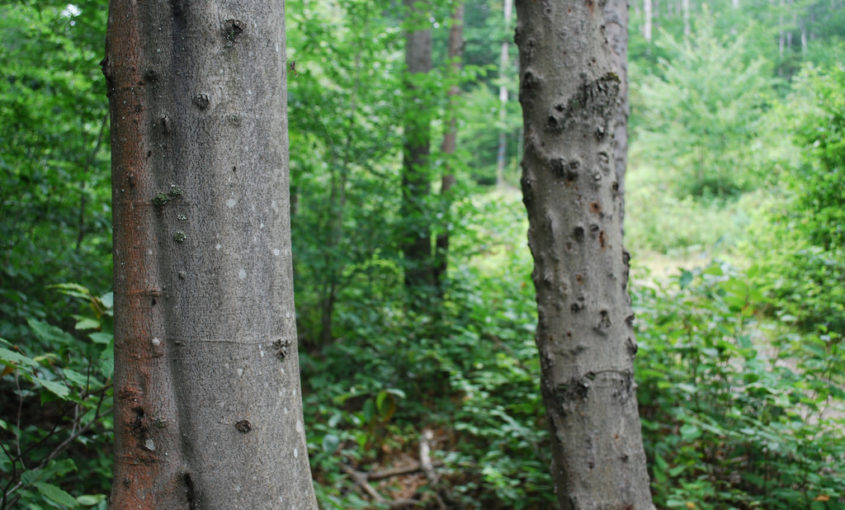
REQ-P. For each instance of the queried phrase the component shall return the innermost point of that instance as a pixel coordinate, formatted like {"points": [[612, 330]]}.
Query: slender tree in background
{"points": [[339, 180], [647, 17], [450, 140], [207, 393], [416, 183], [573, 89], [503, 97]]}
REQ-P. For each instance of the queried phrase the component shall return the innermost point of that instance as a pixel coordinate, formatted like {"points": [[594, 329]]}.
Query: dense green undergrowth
{"points": [[735, 218]]}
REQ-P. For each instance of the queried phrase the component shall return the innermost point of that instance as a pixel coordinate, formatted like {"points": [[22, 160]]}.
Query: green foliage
{"points": [[54, 186], [819, 184], [58, 424], [736, 413], [471, 376], [699, 112], [657, 221], [804, 233], [55, 356]]}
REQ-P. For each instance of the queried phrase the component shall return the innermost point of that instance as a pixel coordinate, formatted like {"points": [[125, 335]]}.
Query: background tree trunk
{"points": [[208, 410], [450, 141], [503, 97], [337, 207], [573, 90], [416, 183], [647, 16]]}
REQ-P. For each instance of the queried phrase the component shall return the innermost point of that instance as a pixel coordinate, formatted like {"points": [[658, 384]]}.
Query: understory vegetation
{"points": [[735, 220]]}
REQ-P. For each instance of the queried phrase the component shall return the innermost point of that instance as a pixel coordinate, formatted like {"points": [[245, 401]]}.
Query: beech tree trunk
{"points": [[573, 90], [208, 411], [416, 183]]}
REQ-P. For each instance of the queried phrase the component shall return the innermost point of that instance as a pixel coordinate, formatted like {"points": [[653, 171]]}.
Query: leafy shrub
{"points": [[735, 411], [56, 431], [803, 238], [698, 116]]}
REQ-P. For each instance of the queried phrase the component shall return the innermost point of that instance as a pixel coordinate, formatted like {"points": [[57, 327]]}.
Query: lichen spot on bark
{"points": [[201, 101], [280, 347], [232, 29]]}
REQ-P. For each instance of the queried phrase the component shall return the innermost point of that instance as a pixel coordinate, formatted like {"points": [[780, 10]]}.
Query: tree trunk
{"points": [[781, 33], [647, 20], [337, 207], [573, 90], [686, 14], [503, 98], [803, 39], [208, 411], [450, 141], [416, 184]]}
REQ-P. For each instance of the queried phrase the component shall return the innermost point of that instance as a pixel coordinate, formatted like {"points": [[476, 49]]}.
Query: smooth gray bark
{"points": [[573, 90], [208, 411], [647, 20]]}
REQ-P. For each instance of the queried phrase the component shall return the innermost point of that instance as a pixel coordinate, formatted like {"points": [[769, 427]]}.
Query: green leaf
{"points": [[107, 361], [8, 357], [108, 300], [56, 494], [690, 432], [386, 405], [75, 377], [685, 278], [396, 392], [49, 334], [330, 443], [57, 388], [72, 289], [90, 500], [85, 323], [100, 337]]}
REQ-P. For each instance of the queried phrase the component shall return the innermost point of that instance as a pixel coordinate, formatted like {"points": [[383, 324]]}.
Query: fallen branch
{"points": [[360, 478], [428, 467], [407, 470]]}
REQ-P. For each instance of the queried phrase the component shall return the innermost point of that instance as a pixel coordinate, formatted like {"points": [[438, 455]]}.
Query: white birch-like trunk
{"points": [[503, 97], [803, 39], [647, 20]]}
